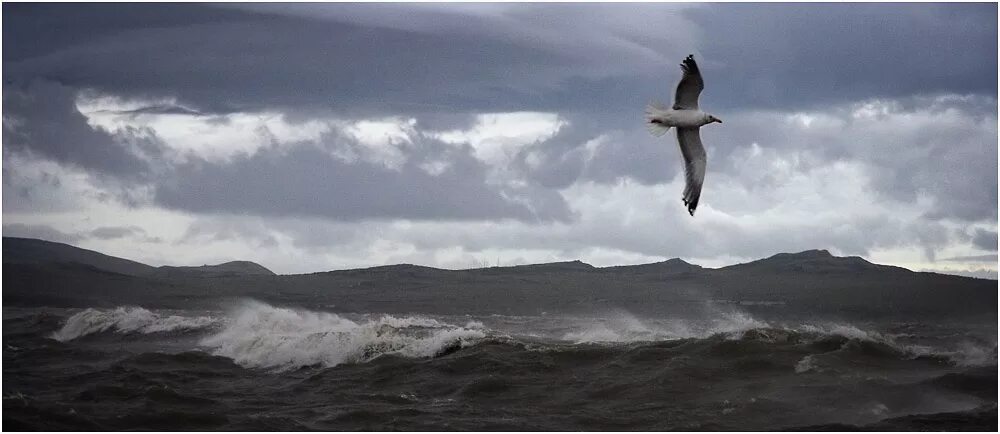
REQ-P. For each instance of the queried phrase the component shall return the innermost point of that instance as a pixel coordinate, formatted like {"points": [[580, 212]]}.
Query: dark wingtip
{"points": [[690, 206], [689, 65]]}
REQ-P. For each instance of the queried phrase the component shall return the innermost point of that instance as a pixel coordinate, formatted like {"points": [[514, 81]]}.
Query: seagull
{"points": [[688, 120]]}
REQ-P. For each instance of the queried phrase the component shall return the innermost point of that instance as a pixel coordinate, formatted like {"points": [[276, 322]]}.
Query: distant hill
{"points": [[233, 268], [811, 261], [551, 267], [31, 251], [814, 282], [669, 266]]}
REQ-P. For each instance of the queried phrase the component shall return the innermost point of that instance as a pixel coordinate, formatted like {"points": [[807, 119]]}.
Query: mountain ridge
{"points": [[33, 251], [810, 281], [820, 261], [816, 261]]}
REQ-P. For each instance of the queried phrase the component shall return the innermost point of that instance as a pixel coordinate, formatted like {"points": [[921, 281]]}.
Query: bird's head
{"points": [[712, 119]]}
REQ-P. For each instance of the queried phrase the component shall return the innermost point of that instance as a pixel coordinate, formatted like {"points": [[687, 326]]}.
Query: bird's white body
{"points": [[683, 118]]}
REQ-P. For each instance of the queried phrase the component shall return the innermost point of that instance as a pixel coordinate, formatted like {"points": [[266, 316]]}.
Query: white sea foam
{"points": [[262, 336], [849, 331], [624, 327], [734, 323], [126, 319], [805, 365], [970, 354], [964, 353]]}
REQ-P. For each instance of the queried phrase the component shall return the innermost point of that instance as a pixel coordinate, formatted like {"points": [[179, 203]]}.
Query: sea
{"points": [[245, 364]]}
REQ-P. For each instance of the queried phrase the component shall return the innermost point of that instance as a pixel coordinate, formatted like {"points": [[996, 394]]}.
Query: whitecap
{"points": [[258, 335], [805, 365], [126, 319]]}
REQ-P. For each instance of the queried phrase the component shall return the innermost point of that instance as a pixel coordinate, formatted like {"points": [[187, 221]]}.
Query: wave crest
{"points": [[262, 336], [126, 319], [624, 328], [627, 328]]}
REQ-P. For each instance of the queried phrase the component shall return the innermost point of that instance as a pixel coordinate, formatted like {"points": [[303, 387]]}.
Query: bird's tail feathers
{"points": [[653, 124], [655, 108], [656, 129]]}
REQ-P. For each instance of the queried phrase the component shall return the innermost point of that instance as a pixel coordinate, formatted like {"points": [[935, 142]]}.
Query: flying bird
{"points": [[688, 120]]}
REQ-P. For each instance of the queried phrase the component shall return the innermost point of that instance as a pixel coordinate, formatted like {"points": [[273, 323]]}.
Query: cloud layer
{"points": [[324, 136]]}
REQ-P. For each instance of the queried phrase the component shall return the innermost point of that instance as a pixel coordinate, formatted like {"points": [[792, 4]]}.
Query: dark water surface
{"points": [[252, 366]]}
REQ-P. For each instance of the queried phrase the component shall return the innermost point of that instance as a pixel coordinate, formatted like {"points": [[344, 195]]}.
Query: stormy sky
{"points": [[311, 137]]}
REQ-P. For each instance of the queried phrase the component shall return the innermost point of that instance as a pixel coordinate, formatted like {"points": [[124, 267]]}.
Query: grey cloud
{"points": [[46, 232], [43, 232], [977, 258], [941, 147], [670, 233], [297, 63], [31, 191], [41, 119], [986, 240], [410, 59], [596, 65], [849, 236], [36, 185], [253, 232], [923, 146], [433, 119], [807, 55], [979, 273], [620, 148], [306, 181], [560, 160], [161, 109], [638, 37], [314, 236], [115, 232], [636, 155]]}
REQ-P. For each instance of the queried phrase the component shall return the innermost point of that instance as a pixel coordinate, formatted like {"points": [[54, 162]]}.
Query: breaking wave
{"points": [[258, 335], [962, 353], [627, 328], [126, 319]]}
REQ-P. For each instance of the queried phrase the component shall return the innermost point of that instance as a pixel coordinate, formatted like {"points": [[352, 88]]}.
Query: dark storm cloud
{"points": [[753, 55], [801, 55], [114, 232], [41, 118], [307, 181], [244, 61], [986, 240]]}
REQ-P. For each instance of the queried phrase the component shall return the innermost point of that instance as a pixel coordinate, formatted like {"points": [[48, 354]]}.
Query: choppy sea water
{"points": [[253, 366]]}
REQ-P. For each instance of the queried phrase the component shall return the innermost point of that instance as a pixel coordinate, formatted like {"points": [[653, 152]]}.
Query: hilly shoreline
{"points": [[41, 273]]}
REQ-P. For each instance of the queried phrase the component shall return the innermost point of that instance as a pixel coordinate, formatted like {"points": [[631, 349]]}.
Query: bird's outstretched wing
{"points": [[690, 86], [694, 165]]}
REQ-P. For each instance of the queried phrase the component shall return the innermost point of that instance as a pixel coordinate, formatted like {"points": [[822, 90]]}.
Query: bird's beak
{"points": [[717, 120]]}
